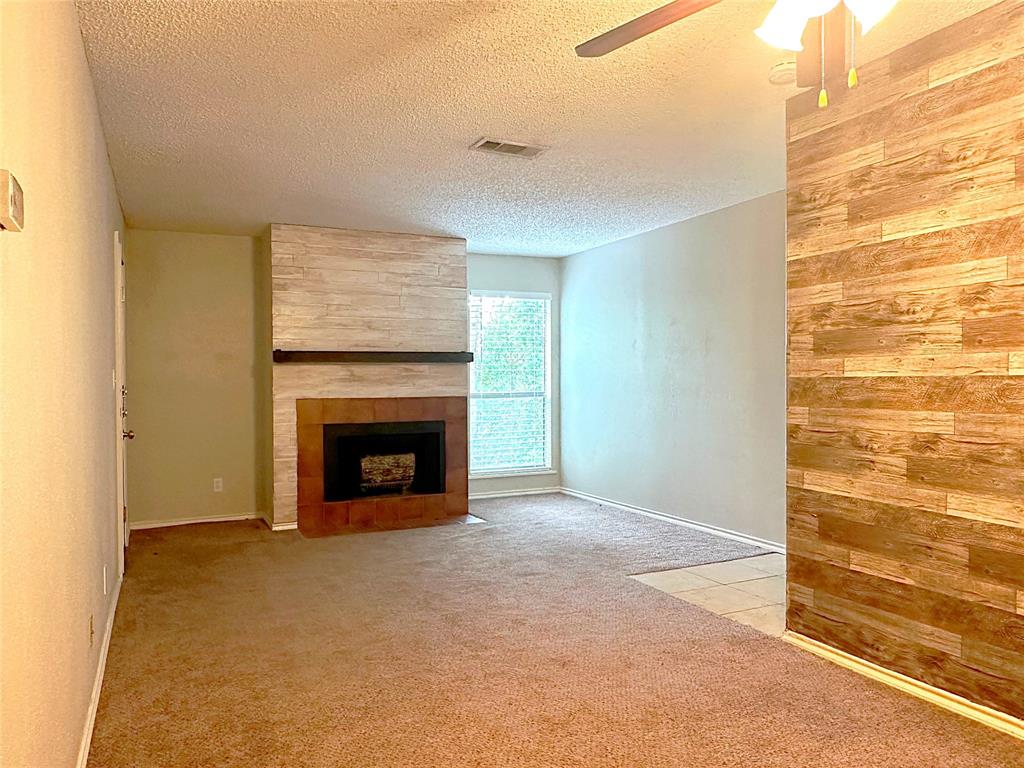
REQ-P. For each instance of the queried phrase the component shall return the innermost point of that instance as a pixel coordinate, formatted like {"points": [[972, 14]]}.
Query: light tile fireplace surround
{"points": [[393, 425]]}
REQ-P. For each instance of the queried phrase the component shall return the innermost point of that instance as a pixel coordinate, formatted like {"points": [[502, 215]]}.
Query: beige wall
{"points": [[263, 379], [673, 350], [531, 275], [57, 418], [193, 371]]}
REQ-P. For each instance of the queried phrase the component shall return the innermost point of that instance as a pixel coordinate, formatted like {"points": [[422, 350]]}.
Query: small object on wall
{"points": [[783, 73], [12, 203]]}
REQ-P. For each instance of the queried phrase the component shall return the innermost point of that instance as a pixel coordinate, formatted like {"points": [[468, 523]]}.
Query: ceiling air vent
{"points": [[511, 148]]}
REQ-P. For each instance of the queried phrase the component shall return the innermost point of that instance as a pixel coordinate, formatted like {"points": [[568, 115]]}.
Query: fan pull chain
{"points": [[822, 94], [851, 78]]}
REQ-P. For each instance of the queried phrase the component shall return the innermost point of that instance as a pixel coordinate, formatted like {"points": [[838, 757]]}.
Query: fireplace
{"points": [[382, 459], [380, 463]]}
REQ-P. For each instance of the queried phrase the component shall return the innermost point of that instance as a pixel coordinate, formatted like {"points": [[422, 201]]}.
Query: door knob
{"points": [[129, 435]]}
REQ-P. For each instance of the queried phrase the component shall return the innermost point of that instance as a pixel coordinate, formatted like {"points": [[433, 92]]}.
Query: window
{"points": [[510, 383]]}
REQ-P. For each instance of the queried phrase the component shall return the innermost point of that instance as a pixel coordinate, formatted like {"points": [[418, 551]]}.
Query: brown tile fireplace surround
{"points": [[318, 517], [369, 339]]}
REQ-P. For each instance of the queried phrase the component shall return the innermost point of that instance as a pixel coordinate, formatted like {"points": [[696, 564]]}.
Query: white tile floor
{"points": [[751, 591]]}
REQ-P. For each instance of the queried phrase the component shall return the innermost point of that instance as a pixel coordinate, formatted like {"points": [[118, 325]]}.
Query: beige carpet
{"points": [[516, 642]]}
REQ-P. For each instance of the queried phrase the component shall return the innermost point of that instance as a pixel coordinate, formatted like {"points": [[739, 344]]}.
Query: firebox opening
{"points": [[383, 459]]}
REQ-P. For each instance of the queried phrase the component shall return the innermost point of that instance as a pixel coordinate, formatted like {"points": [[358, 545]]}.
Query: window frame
{"points": [[549, 437]]}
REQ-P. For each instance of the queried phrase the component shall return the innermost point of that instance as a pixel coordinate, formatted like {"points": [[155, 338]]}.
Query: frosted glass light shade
{"points": [[784, 25]]}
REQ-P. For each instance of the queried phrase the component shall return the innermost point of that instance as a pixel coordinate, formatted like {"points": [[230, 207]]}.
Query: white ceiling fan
{"points": [[782, 28]]}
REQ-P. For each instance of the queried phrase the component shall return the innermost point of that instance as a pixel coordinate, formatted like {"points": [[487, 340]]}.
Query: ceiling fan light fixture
{"points": [[784, 25]]}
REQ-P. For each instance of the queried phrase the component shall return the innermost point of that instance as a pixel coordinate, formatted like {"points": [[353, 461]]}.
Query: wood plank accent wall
{"points": [[906, 355], [342, 289]]}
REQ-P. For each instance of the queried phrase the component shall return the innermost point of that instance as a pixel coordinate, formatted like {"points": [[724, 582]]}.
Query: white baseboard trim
{"points": [[993, 718], [97, 685], [774, 546], [292, 526], [517, 492], [142, 525]]}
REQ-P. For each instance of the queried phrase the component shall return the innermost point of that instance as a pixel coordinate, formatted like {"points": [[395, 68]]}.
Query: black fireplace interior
{"points": [[387, 458]]}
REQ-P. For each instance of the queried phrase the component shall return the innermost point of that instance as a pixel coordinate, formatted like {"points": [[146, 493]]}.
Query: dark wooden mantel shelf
{"points": [[311, 356]]}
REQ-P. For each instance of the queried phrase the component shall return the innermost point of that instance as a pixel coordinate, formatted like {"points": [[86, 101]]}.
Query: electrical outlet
{"points": [[92, 631], [218, 484]]}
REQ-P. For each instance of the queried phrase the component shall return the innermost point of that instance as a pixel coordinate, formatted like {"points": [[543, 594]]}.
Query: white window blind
{"points": [[510, 389]]}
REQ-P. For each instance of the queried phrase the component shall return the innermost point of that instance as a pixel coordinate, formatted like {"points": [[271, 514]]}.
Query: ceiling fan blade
{"points": [[641, 26]]}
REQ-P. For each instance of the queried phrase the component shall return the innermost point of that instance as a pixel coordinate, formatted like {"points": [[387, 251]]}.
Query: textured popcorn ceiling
{"points": [[225, 116]]}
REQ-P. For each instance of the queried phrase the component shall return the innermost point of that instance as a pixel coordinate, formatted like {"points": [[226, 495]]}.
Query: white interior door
{"points": [[124, 434]]}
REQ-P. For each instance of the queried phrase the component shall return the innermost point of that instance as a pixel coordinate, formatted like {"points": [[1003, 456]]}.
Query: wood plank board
{"points": [[989, 364], [891, 339]]}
